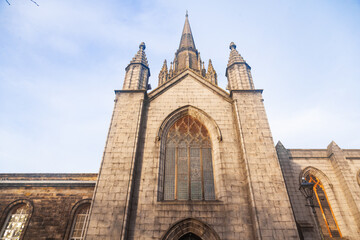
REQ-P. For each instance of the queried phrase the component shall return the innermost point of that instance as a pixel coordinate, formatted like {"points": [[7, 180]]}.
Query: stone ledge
{"points": [[40, 183]]}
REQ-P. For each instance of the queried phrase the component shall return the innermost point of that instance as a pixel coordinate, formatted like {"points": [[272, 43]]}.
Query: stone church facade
{"points": [[189, 160]]}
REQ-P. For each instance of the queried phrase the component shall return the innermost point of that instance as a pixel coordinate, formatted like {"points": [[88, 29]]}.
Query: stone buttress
{"points": [[109, 213], [271, 209]]}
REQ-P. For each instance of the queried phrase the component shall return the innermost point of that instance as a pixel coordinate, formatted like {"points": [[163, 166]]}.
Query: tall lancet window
{"points": [[324, 212], [188, 162]]}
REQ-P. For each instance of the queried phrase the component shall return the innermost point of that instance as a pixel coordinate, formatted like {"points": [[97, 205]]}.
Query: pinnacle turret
{"points": [[211, 75], [163, 75], [238, 72], [137, 72]]}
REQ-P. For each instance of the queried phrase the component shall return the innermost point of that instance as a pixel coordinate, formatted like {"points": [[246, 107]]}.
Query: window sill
{"points": [[192, 202]]}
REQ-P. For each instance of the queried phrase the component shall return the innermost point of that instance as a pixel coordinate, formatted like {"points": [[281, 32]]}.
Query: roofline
{"points": [[160, 89], [46, 183]]}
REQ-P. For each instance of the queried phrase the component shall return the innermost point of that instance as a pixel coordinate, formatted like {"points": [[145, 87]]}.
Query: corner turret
{"points": [[238, 72], [138, 71]]}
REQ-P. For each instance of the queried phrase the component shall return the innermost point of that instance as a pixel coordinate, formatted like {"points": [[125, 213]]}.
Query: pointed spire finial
{"points": [[187, 40], [232, 45], [140, 56], [187, 56]]}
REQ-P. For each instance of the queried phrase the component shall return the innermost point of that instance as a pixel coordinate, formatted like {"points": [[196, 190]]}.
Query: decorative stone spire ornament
{"points": [[187, 40], [211, 75], [137, 72], [238, 72], [163, 75], [187, 57]]}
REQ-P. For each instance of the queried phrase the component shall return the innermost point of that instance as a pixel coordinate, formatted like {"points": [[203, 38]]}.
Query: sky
{"points": [[61, 61]]}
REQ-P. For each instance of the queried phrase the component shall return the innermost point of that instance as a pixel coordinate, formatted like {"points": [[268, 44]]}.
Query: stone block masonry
{"points": [[52, 196]]}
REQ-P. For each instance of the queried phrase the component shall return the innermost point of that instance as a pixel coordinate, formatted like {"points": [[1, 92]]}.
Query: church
{"points": [[190, 160]]}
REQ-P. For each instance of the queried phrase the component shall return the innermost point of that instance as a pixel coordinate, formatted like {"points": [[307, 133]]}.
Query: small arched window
{"points": [[188, 162], [325, 214], [15, 222], [78, 226]]}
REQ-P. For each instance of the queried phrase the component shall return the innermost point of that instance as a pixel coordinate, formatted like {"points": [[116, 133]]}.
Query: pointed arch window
{"points": [[15, 222], [325, 215], [188, 162], [78, 226]]}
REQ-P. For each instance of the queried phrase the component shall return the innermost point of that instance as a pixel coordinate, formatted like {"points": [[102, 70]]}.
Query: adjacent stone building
{"points": [[189, 160]]}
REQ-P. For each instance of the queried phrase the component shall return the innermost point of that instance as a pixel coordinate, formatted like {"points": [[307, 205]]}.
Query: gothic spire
{"points": [[187, 40], [187, 56]]}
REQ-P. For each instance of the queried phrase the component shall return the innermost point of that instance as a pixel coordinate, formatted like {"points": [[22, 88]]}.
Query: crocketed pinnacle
{"points": [[140, 56], [164, 67], [163, 75], [211, 73], [235, 56], [187, 40], [210, 67]]}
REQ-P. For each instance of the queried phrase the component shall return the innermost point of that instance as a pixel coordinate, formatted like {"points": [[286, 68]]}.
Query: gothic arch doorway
{"points": [[190, 229]]}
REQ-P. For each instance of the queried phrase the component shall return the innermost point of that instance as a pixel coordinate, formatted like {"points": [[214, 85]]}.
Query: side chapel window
{"points": [[15, 222], [79, 222], [325, 215], [188, 162]]}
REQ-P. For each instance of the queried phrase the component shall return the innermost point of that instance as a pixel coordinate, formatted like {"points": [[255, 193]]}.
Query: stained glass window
{"points": [[78, 227], [188, 162], [325, 215], [15, 223]]}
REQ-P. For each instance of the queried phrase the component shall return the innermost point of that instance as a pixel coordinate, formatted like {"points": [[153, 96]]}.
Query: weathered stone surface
{"points": [[52, 198], [337, 170]]}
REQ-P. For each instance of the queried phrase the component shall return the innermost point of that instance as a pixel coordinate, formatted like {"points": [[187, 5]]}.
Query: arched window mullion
{"points": [[325, 214], [189, 170], [176, 172], [321, 209], [79, 222], [202, 175]]}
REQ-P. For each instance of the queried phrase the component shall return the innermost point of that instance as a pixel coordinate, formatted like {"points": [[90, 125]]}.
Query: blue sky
{"points": [[61, 61]]}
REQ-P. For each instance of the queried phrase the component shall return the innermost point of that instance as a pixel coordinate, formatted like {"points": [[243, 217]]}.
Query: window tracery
{"points": [[15, 223], [188, 162], [327, 220]]}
